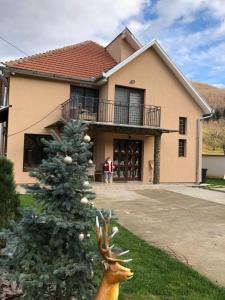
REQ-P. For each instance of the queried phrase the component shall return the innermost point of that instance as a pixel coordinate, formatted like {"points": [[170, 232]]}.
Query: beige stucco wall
{"points": [[126, 50], [162, 88], [119, 49], [31, 100]]}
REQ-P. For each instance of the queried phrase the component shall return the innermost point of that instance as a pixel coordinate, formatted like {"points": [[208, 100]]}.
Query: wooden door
{"points": [[127, 160]]}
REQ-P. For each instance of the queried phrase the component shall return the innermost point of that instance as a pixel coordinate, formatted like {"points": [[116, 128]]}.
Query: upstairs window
{"points": [[33, 151], [86, 97], [182, 148], [182, 125]]}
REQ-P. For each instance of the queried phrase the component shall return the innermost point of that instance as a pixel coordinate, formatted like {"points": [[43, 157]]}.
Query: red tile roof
{"points": [[83, 61]]}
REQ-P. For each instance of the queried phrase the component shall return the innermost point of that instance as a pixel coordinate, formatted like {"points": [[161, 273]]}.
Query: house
{"points": [[141, 109]]}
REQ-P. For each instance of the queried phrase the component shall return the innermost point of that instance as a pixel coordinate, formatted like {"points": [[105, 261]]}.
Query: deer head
{"points": [[115, 272]]}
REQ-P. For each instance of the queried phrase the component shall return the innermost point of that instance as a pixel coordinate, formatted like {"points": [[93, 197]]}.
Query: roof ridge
{"points": [[61, 49]]}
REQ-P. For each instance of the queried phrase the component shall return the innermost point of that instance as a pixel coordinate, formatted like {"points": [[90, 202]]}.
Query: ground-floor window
{"points": [[33, 151], [182, 148]]}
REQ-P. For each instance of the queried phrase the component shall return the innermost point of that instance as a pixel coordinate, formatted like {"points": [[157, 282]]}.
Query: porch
{"points": [[132, 154], [126, 126]]}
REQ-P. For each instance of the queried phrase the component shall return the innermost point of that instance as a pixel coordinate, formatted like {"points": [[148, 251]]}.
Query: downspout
{"points": [[198, 143]]}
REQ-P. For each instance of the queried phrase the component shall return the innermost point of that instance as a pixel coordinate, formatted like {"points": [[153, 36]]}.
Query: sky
{"points": [[192, 32]]}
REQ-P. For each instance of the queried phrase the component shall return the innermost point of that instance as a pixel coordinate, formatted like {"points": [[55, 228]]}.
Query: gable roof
{"points": [[129, 37], [85, 61], [90, 61], [180, 76]]}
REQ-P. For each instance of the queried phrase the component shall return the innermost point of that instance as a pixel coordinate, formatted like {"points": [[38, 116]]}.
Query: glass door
{"points": [[135, 110], [134, 149], [121, 108], [128, 106], [127, 160]]}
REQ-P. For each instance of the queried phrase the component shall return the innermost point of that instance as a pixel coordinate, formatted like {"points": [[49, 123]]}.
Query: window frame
{"points": [[181, 131], [184, 149]]}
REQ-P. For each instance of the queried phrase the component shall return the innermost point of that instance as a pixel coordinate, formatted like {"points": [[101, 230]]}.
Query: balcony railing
{"points": [[107, 111]]}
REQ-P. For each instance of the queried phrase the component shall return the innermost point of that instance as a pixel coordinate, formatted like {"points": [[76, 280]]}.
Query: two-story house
{"points": [[141, 109]]}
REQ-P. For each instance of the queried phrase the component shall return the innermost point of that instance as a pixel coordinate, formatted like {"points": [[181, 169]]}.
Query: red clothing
{"points": [[108, 166]]}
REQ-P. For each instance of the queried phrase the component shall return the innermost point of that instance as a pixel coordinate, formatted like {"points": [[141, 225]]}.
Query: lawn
{"points": [[157, 275], [214, 182]]}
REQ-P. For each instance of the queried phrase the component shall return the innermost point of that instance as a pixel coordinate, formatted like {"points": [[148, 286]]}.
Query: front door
{"points": [[127, 160]]}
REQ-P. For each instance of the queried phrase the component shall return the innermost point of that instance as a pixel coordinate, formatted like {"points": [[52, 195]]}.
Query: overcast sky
{"points": [[191, 31]]}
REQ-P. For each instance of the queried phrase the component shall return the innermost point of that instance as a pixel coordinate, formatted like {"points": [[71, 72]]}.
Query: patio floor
{"points": [[187, 222]]}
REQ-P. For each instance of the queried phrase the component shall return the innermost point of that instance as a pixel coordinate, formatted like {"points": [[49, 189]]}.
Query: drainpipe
{"points": [[198, 143]]}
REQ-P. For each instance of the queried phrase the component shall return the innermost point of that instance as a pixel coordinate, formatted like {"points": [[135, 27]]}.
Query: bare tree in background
{"points": [[214, 134]]}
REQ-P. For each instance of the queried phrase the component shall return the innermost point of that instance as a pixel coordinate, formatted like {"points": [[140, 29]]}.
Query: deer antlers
{"points": [[103, 241]]}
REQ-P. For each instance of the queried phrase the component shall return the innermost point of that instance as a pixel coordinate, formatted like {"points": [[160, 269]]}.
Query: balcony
{"points": [[106, 111]]}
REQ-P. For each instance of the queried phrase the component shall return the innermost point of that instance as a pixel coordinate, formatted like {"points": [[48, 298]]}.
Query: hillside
{"points": [[216, 99], [214, 96]]}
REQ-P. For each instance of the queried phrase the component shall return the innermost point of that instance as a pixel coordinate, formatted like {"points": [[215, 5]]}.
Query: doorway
{"points": [[128, 106], [127, 156]]}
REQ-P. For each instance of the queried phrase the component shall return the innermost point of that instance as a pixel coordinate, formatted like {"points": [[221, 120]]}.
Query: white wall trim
{"points": [[180, 76]]}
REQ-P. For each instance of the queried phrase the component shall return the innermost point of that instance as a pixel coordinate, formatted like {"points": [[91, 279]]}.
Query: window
{"points": [[182, 148], [87, 97], [33, 151], [182, 125], [128, 106]]}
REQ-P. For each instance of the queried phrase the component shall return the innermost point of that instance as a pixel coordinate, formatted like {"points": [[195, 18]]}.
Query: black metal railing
{"points": [[108, 111]]}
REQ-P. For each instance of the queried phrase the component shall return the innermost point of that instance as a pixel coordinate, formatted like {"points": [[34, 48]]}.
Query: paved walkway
{"points": [[185, 221], [196, 192]]}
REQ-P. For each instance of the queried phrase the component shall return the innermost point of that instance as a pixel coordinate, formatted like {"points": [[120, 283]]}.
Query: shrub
{"points": [[51, 253], [9, 200]]}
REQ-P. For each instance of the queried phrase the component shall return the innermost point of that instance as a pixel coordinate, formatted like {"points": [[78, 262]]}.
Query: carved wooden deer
{"points": [[114, 272]]}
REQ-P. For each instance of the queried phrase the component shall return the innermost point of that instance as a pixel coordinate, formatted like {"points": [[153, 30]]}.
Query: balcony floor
{"points": [[119, 128]]}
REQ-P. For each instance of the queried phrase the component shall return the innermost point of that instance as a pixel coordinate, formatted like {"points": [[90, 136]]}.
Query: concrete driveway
{"points": [[192, 228]]}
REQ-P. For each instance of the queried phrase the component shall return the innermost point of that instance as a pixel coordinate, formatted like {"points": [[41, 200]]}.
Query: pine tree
{"points": [[51, 254]]}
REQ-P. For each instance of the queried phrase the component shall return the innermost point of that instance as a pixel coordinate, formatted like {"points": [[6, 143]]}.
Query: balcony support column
{"points": [[157, 150]]}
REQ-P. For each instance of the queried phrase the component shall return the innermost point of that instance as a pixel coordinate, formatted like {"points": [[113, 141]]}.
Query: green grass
{"points": [[157, 275], [215, 182], [27, 201]]}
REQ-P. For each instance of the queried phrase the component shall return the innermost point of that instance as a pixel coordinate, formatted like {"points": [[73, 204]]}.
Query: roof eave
{"points": [[129, 36], [198, 99], [131, 39], [14, 70], [185, 82]]}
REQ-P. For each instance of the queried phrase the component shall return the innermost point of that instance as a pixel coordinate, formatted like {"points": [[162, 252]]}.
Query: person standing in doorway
{"points": [[108, 170]]}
